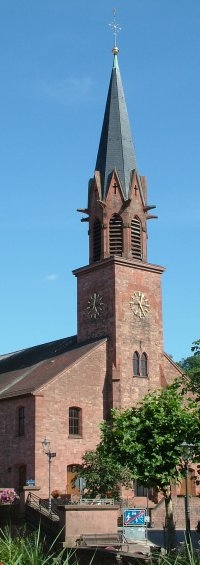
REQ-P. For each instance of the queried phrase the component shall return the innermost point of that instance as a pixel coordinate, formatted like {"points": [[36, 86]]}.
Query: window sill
{"points": [[140, 376], [75, 436]]}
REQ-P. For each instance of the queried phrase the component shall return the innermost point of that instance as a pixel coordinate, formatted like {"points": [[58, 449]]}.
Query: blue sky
{"points": [[55, 60]]}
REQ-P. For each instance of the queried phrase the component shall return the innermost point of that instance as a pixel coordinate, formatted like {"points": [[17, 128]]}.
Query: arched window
{"points": [[116, 235], [21, 421], [136, 363], [136, 238], [144, 368], [96, 240], [75, 421]]}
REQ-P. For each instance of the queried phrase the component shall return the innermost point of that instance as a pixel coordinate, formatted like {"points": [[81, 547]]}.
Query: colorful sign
{"points": [[134, 517]]}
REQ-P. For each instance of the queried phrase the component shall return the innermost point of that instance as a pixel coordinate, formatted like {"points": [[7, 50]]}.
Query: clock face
{"points": [[139, 304], [95, 305]]}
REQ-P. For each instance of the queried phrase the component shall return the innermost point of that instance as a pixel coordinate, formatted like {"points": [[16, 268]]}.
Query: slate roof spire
{"points": [[116, 150]]}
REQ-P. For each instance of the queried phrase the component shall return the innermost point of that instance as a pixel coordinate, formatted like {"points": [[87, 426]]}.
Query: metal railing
{"points": [[42, 506], [97, 501]]}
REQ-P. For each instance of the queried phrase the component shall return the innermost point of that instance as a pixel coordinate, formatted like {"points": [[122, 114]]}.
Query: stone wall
{"points": [[158, 513]]}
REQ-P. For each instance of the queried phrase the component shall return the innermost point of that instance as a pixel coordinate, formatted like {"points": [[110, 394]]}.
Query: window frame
{"points": [[138, 365], [75, 421], [136, 360], [144, 365]]}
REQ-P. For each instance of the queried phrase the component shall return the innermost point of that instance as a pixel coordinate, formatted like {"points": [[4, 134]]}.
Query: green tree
{"points": [[101, 474], [191, 368], [148, 437], [196, 347]]}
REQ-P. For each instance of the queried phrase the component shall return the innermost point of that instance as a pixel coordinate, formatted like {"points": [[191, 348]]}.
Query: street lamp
{"points": [[187, 449], [46, 449]]}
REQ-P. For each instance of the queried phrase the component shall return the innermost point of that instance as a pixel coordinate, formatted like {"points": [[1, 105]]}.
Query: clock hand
{"points": [[141, 307]]}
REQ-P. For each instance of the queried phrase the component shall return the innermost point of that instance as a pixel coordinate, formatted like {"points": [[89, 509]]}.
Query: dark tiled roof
{"points": [[26, 371], [116, 149]]}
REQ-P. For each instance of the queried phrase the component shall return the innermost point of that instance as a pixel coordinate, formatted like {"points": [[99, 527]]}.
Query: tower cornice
{"points": [[115, 260]]}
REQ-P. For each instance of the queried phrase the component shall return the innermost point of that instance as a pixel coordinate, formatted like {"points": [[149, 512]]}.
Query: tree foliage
{"points": [[196, 347], [191, 368], [102, 475], [148, 437]]}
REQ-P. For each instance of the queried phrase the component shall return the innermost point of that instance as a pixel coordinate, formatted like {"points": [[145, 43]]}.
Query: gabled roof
{"points": [[24, 372], [116, 150]]}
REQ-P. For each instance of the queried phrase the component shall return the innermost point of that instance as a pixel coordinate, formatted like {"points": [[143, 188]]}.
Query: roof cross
{"points": [[115, 27]]}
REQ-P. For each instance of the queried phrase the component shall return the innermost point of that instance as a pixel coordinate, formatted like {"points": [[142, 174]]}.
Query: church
{"points": [[64, 389]]}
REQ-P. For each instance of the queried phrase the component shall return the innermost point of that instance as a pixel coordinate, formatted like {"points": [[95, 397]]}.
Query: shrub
{"points": [[8, 495]]}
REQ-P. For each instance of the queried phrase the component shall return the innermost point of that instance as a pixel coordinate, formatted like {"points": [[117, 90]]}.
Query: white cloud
{"points": [[52, 277], [66, 91]]}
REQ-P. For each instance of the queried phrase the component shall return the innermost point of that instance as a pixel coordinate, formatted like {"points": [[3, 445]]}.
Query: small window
{"points": [[144, 368], [21, 421], [136, 363], [75, 421]]}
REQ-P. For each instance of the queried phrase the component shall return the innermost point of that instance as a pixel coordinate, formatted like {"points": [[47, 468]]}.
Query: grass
{"points": [[184, 555], [28, 549]]}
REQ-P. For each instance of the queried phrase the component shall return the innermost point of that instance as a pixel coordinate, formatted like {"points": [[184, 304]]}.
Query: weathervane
{"points": [[116, 28]]}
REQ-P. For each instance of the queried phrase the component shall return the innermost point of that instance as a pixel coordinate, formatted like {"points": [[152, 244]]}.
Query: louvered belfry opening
{"points": [[136, 239], [116, 235], [96, 240]]}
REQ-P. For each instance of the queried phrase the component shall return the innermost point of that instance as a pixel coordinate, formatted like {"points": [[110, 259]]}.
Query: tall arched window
{"points": [[21, 420], [116, 235], [97, 240], [75, 421], [144, 367], [136, 363], [136, 238]]}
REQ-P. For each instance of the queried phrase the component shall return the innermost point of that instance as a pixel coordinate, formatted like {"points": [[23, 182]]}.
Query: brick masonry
{"points": [[116, 279], [46, 414], [158, 513]]}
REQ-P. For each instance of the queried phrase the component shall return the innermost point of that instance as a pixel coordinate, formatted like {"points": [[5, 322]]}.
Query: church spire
{"points": [[117, 209], [116, 150]]}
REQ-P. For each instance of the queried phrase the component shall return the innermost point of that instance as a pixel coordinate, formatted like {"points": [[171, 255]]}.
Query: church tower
{"points": [[119, 292]]}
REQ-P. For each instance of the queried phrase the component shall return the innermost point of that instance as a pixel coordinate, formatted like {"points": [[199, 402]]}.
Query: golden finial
{"points": [[116, 28]]}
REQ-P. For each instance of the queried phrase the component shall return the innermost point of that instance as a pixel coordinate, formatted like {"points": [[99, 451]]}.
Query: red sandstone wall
{"points": [[16, 450], [46, 414], [116, 280], [158, 513], [84, 520], [81, 385]]}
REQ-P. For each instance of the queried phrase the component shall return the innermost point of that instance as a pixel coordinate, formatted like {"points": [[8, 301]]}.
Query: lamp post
{"points": [[46, 449], [186, 456]]}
